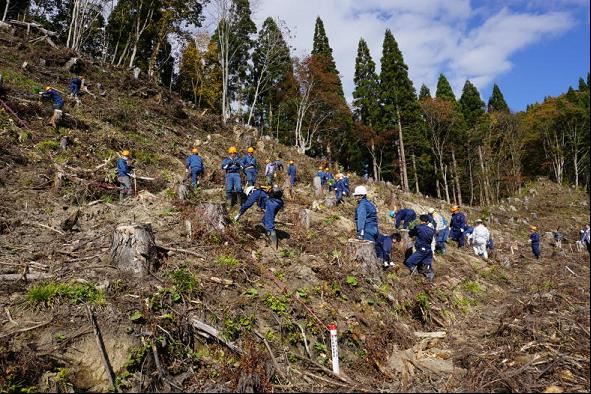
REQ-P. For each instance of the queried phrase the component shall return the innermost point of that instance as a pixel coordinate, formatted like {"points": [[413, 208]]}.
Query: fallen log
{"points": [[33, 25]]}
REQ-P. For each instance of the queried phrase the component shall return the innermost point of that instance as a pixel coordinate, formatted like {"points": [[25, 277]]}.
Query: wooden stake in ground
{"points": [[134, 250]]}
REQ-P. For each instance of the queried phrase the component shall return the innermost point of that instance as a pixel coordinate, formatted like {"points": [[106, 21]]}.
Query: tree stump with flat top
{"points": [[362, 255], [134, 250]]}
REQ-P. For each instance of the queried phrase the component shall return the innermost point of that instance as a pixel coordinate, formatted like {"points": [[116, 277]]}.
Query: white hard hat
{"points": [[360, 191], [431, 210], [249, 190]]}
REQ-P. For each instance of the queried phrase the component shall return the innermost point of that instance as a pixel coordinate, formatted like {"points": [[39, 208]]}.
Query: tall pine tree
{"points": [[399, 101], [321, 49], [497, 102], [366, 105], [424, 93], [444, 90], [271, 61], [242, 29], [471, 104]]}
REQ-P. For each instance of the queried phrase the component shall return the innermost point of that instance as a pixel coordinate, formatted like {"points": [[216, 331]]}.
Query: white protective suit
{"points": [[481, 236]]}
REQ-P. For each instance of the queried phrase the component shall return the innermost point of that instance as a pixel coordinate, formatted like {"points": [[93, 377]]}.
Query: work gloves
{"points": [[360, 236], [237, 217]]}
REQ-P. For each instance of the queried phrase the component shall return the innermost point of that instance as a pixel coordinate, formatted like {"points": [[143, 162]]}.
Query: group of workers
{"points": [[430, 231]]}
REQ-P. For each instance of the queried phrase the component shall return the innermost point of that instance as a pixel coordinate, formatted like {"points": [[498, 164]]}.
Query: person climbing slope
{"points": [[58, 104], [422, 259], [232, 165], [249, 164], [534, 240], [194, 166], [124, 175]]}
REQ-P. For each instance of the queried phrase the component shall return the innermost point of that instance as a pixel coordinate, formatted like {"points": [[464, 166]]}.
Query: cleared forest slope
{"points": [[507, 324]]}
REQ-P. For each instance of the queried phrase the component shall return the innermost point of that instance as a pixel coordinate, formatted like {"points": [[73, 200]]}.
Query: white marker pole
{"points": [[334, 347]]}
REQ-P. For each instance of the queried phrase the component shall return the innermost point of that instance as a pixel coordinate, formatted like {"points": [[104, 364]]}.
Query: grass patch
{"points": [[47, 145], [227, 261], [49, 293], [331, 219], [144, 157], [471, 287], [184, 280]]}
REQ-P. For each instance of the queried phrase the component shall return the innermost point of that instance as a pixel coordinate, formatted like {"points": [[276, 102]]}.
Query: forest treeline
{"points": [[463, 150]]}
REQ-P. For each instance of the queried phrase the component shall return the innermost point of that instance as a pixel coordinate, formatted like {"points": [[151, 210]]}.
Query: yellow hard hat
{"points": [[455, 208], [326, 169], [232, 149], [320, 168], [194, 150], [250, 149], [125, 153], [47, 87], [534, 228], [267, 161], [291, 162]]}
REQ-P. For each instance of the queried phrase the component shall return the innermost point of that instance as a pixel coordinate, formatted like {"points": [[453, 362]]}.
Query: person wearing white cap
{"points": [[366, 216]]}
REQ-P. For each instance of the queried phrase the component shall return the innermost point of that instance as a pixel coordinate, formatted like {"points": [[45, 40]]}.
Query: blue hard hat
{"points": [[392, 214]]}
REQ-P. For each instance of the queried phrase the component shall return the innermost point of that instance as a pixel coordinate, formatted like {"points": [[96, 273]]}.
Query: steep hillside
{"points": [[507, 324]]}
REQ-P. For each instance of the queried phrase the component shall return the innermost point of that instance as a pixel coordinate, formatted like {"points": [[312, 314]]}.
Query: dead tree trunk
{"points": [[363, 257], [456, 177], [213, 214], [414, 169], [133, 249]]}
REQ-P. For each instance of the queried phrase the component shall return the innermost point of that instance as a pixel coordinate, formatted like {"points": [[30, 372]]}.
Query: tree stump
{"points": [[136, 73], [134, 250], [182, 192], [363, 256], [305, 218], [71, 64], [317, 183], [213, 214]]}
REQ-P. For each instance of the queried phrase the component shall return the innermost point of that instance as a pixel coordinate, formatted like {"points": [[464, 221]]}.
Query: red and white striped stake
{"points": [[334, 347]]}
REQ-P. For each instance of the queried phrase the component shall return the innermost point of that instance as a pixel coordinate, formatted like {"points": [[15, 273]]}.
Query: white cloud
{"points": [[435, 36]]}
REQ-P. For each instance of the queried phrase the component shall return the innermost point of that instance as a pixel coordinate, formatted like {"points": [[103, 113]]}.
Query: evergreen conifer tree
{"points": [[271, 61], [321, 48], [497, 102], [424, 93], [365, 95], [400, 108], [471, 104], [582, 85], [444, 90], [241, 29]]}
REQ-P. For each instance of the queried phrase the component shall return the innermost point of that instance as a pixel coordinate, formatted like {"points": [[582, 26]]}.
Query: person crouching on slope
{"points": [[271, 200], [423, 257]]}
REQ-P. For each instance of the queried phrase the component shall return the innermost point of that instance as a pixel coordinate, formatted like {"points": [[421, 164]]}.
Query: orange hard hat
{"points": [[455, 208], [194, 150]]}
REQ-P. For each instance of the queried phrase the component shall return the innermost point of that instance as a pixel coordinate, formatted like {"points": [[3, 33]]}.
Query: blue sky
{"points": [[530, 48]]}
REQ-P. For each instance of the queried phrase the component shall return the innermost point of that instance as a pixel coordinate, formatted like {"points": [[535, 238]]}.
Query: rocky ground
{"points": [[507, 324]]}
